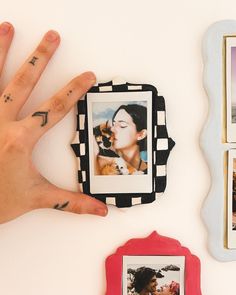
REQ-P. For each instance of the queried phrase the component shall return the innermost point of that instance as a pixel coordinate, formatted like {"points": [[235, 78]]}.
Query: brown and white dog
{"points": [[104, 138], [115, 164], [118, 166]]}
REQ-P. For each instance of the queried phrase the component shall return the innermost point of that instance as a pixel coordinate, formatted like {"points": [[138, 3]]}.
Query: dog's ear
{"points": [[108, 128], [97, 131]]}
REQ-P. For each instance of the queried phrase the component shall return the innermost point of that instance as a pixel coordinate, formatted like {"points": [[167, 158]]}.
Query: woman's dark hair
{"points": [[142, 278], [138, 114]]}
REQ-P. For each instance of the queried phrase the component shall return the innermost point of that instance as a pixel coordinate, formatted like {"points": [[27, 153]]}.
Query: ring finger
{"points": [[18, 90], [6, 35]]}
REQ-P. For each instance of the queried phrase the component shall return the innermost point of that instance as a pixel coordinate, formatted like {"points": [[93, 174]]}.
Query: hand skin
{"points": [[22, 188]]}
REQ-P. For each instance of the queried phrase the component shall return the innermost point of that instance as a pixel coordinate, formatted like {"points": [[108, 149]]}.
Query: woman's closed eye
{"points": [[121, 124]]}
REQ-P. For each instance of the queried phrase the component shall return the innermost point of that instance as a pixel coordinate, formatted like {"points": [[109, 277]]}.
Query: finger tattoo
{"points": [[33, 60], [61, 207], [7, 97], [44, 116], [69, 92]]}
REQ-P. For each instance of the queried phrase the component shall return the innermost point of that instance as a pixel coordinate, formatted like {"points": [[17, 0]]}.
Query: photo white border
{"points": [[231, 233], [125, 183], [150, 260], [231, 127]]}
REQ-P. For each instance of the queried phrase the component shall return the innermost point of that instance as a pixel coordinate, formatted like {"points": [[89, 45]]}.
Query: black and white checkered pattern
{"points": [[162, 145]]}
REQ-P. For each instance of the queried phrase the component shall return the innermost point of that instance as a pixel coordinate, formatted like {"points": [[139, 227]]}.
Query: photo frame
{"points": [[230, 71], [158, 253], [122, 143], [216, 140], [231, 241]]}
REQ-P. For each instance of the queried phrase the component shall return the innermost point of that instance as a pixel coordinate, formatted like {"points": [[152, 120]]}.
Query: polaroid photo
{"points": [[231, 88], [154, 275], [154, 265], [120, 130], [231, 199]]}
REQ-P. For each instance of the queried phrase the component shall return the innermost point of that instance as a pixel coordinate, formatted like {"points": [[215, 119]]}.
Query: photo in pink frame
{"points": [[155, 264]]}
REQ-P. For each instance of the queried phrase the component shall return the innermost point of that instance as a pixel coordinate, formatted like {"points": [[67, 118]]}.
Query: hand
{"points": [[22, 188]]}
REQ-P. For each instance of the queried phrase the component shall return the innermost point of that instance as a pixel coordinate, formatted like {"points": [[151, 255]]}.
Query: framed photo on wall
{"points": [[122, 144], [231, 216], [154, 274], [155, 264], [231, 88], [218, 136]]}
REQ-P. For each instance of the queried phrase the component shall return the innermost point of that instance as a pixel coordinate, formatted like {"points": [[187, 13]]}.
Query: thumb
{"points": [[72, 202]]}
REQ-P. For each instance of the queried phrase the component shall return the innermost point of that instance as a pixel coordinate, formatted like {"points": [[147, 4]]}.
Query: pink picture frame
{"points": [[153, 245]]}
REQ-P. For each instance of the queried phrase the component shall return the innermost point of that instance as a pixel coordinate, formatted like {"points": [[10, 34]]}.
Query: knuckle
{"points": [[23, 79], [42, 49], [80, 85], [75, 208], [58, 105], [15, 139]]}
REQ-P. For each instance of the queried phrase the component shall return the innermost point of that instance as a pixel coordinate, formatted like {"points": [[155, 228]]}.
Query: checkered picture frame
{"points": [[162, 145]]}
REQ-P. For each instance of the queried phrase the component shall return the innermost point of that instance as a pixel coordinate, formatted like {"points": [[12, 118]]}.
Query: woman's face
{"points": [[124, 129], [152, 285]]}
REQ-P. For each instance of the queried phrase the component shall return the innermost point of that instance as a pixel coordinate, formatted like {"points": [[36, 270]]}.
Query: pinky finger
{"points": [[6, 35]]}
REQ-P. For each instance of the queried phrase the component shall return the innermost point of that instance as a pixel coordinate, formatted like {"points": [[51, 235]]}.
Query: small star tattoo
{"points": [[68, 93], [33, 60], [7, 97]]}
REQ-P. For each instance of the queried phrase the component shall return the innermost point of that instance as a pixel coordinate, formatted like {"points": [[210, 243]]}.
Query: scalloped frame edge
{"points": [[154, 244], [214, 208]]}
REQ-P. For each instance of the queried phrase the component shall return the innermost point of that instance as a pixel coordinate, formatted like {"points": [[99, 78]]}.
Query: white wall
{"points": [[158, 42]]}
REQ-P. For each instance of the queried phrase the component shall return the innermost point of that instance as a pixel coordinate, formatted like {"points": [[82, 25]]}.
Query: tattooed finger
{"points": [[44, 116], [61, 207], [59, 105], [33, 60], [28, 75]]}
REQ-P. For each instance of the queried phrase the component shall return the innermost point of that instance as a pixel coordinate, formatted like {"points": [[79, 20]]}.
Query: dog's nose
{"points": [[106, 142]]}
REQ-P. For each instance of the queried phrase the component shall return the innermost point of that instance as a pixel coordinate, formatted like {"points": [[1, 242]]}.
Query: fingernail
{"points": [[90, 76], [5, 28], [52, 36], [101, 211]]}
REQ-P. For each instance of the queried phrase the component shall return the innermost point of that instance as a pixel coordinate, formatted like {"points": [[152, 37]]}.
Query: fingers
{"points": [[6, 35], [54, 109], [18, 90], [60, 199]]}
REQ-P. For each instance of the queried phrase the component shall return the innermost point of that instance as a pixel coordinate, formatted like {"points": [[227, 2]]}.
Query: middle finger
{"points": [[54, 109], [19, 89]]}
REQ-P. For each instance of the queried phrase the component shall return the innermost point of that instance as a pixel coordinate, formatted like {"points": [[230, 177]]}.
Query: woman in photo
{"points": [[127, 135], [145, 281]]}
